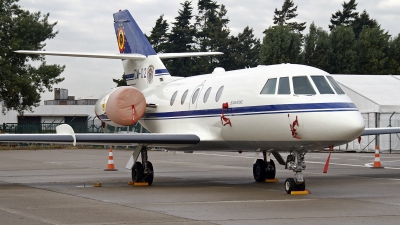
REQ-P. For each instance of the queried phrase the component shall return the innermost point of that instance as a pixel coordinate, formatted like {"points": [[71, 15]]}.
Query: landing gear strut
{"points": [[295, 161], [264, 168], [143, 171]]}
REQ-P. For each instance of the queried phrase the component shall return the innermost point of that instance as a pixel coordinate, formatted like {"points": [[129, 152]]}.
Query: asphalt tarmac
{"points": [[56, 187]]}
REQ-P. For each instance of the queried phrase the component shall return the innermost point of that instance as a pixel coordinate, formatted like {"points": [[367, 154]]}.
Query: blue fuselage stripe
{"points": [[254, 110]]}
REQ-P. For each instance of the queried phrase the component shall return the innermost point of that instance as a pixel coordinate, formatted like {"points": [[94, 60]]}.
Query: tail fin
{"points": [[131, 40]]}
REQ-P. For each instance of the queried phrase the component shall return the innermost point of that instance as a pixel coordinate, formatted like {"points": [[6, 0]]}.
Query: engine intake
{"points": [[123, 106]]}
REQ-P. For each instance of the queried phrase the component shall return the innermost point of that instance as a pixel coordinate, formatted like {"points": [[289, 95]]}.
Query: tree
{"points": [[181, 39], [394, 55], [244, 50], [288, 12], [343, 55], [212, 35], [372, 48], [345, 17], [121, 82], [363, 21], [280, 45], [20, 82], [316, 48], [158, 37]]}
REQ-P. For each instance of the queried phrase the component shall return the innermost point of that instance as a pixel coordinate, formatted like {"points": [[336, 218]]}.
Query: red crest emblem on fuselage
{"points": [[121, 39]]}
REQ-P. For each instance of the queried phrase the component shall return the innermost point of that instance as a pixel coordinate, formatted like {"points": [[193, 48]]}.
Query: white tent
{"points": [[377, 98]]}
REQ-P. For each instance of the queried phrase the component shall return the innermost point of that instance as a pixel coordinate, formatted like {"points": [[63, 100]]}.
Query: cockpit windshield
{"points": [[322, 85], [335, 86], [302, 85]]}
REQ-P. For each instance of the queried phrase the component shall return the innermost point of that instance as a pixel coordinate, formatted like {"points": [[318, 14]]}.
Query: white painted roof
{"points": [[381, 90]]}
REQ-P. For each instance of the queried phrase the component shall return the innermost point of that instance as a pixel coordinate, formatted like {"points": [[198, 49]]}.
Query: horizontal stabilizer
{"points": [[186, 54], [86, 55], [380, 130], [150, 139]]}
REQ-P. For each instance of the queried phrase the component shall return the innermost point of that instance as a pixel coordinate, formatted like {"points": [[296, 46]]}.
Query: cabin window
{"points": [[335, 86], [269, 87], [184, 96], [219, 93], [322, 85], [302, 86], [284, 87], [206, 95], [194, 97], [173, 98]]}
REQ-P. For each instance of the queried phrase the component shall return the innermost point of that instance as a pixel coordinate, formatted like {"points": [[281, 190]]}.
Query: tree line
{"points": [[354, 43]]}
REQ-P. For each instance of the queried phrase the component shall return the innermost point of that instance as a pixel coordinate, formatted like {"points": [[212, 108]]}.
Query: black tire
{"points": [[290, 185], [137, 172], [259, 170], [301, 186], [270, 170], [149, 177]]}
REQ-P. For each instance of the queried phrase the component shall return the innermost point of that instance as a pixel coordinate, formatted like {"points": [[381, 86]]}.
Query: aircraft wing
{"points": [[186, 54], [86, 55], [380, 130], [159, 140]]}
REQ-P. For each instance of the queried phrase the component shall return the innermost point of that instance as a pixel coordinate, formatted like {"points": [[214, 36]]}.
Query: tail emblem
{"points": [[121, 39], [150, 74]]}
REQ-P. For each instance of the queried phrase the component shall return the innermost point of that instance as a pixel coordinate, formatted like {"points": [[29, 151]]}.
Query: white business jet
{"points": [[267, 109]]}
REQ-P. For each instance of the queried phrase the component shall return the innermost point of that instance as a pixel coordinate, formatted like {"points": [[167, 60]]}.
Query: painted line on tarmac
{"points": [[225, 202], [27, 215], [338, 164]]}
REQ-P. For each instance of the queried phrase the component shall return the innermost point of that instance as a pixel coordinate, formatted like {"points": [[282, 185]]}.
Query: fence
{"points": [[89, 126]]}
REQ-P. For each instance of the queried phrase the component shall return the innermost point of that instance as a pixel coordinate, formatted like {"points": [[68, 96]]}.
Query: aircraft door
{"points": [[195, 96]]}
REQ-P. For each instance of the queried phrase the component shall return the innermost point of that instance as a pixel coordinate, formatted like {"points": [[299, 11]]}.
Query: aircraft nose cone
{"points": [[350, 126]]}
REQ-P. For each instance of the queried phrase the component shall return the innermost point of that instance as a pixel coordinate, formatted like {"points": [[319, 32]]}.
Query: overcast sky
{"points": [[87, 26]]}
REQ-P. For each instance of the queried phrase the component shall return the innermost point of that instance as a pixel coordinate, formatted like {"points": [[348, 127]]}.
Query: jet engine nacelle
{"points": [[121, 106]]}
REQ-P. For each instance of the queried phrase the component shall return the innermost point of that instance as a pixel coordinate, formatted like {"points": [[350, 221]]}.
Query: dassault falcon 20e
{"points": [[277, 108]]}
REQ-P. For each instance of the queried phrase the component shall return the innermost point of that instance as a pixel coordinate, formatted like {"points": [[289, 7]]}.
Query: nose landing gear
{"points": [[295, 161]]}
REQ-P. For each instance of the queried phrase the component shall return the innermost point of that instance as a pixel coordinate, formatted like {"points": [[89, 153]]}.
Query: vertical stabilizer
{"points": [[131, 40]]}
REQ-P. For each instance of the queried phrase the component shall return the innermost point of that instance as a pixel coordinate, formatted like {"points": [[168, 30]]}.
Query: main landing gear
{"points": [[295, 161], [264, 168], [142, 171]]}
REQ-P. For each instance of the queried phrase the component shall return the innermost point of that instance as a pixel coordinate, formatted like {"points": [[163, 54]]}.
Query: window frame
{"points": [[206, 95], [184, 96], [219, 93], [290, 89], [173, 97], [265, 86]]}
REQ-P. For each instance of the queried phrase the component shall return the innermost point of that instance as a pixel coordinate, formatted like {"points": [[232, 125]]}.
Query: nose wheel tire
{"points": [[291, 185]]}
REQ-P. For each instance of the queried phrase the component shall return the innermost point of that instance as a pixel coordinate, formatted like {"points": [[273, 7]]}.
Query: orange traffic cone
{"points": [[377, 162], [110, 166]]}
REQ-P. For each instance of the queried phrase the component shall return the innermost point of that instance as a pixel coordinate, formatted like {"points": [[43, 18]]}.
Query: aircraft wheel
{"points": [[149, 177], [270, 170], [290, 185], [137, 172], [259, 170]]}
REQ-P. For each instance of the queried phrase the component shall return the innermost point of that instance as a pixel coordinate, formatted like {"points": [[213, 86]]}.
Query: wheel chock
{"points": [[271, 180], [97, 184], [140, 184], [130, 183], [305, 192]]}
